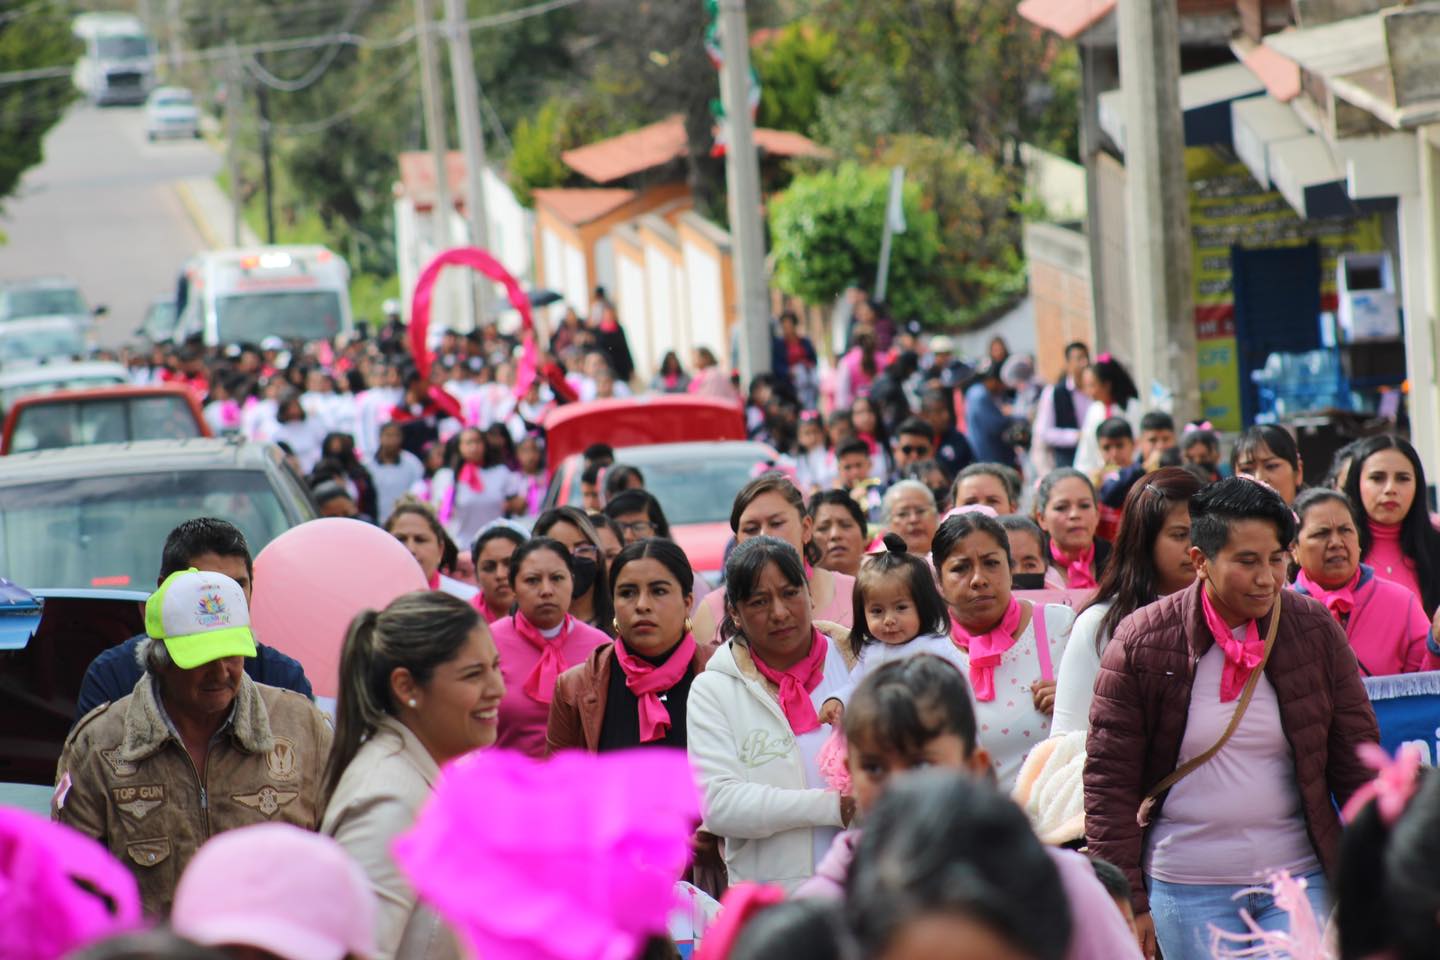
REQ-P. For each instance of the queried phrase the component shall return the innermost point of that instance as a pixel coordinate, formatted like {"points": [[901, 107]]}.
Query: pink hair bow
{"points": [[1393, 786], [1202, 425], [1104, 358]]}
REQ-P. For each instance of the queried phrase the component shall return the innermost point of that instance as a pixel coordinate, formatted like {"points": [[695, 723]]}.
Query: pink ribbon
{"points": [[1078, 573], [986, 648], [1393, 786], [487, 266], [540, 685], [646, 680], [1241, 657], [797, 683]]}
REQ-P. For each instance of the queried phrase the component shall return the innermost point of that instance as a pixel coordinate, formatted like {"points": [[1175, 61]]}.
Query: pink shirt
{"points": [[1389, 560], [1387, 628], [1203, 836], [523, 720], [840, 609]]}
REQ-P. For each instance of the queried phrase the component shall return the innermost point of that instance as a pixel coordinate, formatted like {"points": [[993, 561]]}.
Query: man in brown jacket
{"points": [[197, 748], [1170, 683]]}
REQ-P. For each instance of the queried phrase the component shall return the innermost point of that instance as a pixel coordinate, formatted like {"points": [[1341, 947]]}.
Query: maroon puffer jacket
{"points": [[1142, 703]]}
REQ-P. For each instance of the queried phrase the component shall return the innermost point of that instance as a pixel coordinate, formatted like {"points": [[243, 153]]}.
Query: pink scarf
{"points": [[1241, 658], [1078, 575], [1339, 601], [985, 649], [434, 582], [540, 685], [470, 476], [646, 680], [797, 683]]}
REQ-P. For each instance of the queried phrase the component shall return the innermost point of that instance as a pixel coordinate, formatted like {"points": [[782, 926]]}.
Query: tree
{"points": [[538, 143], [797, 69], [31, 36], [825, 236]]}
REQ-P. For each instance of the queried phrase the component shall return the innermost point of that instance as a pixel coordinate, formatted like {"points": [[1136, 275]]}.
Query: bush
{"points": [[535, 157]]}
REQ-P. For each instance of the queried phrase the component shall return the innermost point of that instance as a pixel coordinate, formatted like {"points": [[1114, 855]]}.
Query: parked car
{"points": [[43, 297], [69, 418], [43, 378], [42, 338], [692, 451], [170, 112], [159, 323], [96, 516]]}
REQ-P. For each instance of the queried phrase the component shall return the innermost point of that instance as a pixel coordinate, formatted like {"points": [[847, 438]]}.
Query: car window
{"points": [[49, 425], [107, 531], [43, 343], [42, 302], [303, 315], [691, 491]]}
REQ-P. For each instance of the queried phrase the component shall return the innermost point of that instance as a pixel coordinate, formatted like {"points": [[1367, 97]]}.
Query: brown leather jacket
{"points": [[1142, 704], [132, 786], [578, 709]]}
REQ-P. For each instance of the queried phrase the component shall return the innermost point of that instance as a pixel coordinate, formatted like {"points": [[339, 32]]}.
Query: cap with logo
{"points": [[200, 617]]}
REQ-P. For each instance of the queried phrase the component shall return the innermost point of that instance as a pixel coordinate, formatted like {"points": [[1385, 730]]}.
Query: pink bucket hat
{"points": [[44, 910], [281, 889]]}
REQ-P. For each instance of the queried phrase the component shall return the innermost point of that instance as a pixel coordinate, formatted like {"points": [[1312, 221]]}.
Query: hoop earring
{"points": [[615, 623]]}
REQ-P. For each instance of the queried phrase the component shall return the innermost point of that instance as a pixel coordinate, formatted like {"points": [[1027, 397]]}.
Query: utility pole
{"points": [[174, 27], [742, 175], [1157, 208], [262, 98], [232, 137], [472, 139], [434, 121]]}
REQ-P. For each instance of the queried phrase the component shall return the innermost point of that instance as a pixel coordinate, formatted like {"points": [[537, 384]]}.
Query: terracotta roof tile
{"points": [[417, 178], [582, 206], [660, 143], [1068, 18], [785, 143]]}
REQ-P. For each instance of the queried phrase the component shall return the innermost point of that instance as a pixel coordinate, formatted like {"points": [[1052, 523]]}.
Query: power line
{"points": [[405, 36], [358, 104], [258, 71]]}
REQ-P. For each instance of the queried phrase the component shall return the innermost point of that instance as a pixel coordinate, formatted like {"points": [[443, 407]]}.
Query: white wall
{"points": [[660, 280], [705, 298], [630, 302]]}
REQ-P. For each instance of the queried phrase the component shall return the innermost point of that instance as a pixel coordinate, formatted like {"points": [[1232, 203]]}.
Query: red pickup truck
{"points": [[69, 418]]}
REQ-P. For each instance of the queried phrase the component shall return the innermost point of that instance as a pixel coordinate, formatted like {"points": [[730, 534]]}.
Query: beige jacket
{"points": [[377, 799], [126, 780]]}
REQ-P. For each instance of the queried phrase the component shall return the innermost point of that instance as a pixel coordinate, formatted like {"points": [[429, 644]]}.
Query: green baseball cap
{"points": [[200, 617]]}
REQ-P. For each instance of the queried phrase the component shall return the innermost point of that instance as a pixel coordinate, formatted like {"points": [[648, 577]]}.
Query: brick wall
{"points": [[1059, 266]]}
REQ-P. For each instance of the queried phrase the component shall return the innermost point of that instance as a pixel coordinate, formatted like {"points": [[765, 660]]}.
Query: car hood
{"points": [[704, 544]]}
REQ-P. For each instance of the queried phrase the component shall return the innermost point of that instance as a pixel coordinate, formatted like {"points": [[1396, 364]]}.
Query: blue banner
{"points": [[1408, 709]]}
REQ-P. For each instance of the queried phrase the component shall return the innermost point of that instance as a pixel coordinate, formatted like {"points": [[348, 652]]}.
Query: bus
{"points": [[244, 296], [118, 63]]}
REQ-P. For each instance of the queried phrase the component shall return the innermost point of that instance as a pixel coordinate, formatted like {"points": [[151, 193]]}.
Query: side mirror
{"points": [[100, 311]]}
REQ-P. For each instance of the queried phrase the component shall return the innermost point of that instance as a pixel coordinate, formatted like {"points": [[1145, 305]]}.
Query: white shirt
{"points": [[1075, 683], [1087, 451], [393, 481], [474, 509], [457, 588]]}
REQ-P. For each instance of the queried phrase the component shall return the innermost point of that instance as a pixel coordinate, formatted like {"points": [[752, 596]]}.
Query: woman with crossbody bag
{"points": [[1223, 730]]}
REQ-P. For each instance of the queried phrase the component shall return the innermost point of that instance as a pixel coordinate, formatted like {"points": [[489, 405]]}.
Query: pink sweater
{"points": [[1389, 560], [523, 720], [1387, 628], [1100, 931]]}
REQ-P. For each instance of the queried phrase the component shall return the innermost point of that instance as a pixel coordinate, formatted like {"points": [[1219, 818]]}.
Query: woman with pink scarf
{"points": [[1065, 508], [1383, 620], [475, 487], [539, 642]]}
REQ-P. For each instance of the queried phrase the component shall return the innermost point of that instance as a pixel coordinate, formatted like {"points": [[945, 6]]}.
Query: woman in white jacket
{"points": [[754, 732], [1112, 394]]}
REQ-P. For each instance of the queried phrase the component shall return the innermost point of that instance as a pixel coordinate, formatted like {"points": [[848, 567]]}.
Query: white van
{"points": [[118, 65], [244, 296]]}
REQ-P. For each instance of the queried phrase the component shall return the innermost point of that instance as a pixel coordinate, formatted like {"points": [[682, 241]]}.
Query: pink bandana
{"points": [[1241, 659], [1078, 575], [470, 476], [540, 685], [646, 680], [986, 649], [797, 683], [434, 582], [1339, 601]]}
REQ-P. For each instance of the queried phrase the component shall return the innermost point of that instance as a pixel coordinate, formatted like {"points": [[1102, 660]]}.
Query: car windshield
{"points": [[174, 100], [122, 47], [49, 425], [107, 531], [301, 315], [9, 395], [693, 491], [44, 302], [159, 321], [40, 343]]}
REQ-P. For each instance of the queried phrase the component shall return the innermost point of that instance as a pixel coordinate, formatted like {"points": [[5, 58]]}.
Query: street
{"points": [[102, 209]]}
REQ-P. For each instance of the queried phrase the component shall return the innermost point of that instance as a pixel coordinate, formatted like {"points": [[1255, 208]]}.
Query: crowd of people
{"points": [[1134, 669]]}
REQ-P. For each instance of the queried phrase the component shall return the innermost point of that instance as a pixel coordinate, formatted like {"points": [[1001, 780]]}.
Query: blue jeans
{"points": [[1185, 912]]}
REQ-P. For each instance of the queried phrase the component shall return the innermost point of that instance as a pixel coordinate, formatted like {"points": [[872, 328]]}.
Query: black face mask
{"points": [[1028, 581], [584, 571]]}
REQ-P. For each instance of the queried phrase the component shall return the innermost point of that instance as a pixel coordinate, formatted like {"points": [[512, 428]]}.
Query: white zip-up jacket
{"points": [[757, 797]]}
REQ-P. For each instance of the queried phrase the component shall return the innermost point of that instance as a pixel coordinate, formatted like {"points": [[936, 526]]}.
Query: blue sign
{"points": [[1408, 709]]}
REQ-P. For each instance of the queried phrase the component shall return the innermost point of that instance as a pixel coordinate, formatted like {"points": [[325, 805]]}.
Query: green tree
{"points": [[797, 69], [825, 235], [31, 36], [535, 158]]}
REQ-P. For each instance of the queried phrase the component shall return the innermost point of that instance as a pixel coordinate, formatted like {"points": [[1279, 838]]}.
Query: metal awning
{"points": [[1205, 98], [1259, 123]]}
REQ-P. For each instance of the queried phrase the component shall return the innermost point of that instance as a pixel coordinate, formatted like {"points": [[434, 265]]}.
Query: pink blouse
{"points": [[522, 719]]}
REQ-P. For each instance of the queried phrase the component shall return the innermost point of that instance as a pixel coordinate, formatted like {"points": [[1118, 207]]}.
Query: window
{"points": [[302, 315], [43, 302], [49, 425]]}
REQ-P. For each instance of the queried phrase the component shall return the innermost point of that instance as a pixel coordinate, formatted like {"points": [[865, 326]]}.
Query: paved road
{"points": [[102, 209]]}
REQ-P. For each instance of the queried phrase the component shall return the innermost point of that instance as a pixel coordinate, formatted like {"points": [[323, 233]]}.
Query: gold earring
{"points": [[616, 624], [689, 626]]}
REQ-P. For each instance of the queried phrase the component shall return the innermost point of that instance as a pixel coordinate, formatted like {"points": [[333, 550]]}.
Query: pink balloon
{"points": [[313, 579]]}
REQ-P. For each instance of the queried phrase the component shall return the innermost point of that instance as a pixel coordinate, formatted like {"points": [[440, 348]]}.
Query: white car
{"points": [[171, 112]]}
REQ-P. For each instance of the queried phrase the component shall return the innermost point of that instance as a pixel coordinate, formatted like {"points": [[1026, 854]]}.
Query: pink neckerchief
{"points": [[797, 683], [646, 680], [468, 474], [985, 649], [434, 582], [1241, 658], [1078, 573], [1339, 601], [540, 685]]}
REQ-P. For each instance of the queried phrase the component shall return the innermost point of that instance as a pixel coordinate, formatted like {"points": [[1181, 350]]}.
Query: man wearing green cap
{"points": [[197, 748]]}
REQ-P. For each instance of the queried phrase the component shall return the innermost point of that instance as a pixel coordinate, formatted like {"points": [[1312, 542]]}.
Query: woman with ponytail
{"points": [[420, 685], [633, 692], [476, 486]]}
